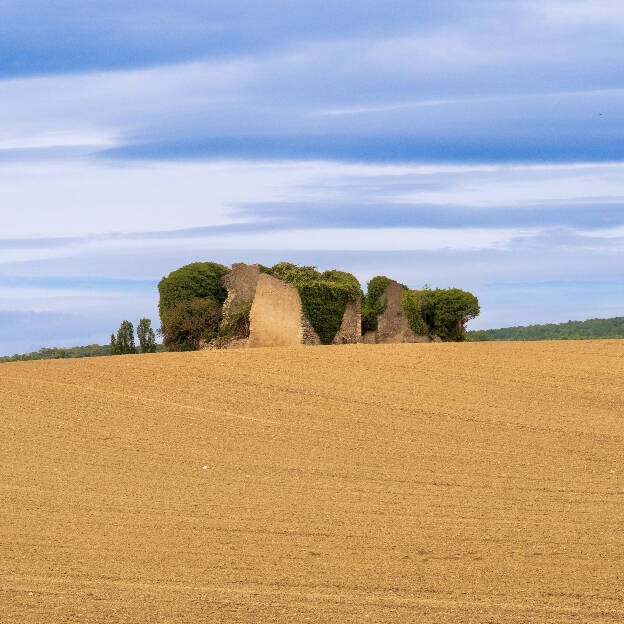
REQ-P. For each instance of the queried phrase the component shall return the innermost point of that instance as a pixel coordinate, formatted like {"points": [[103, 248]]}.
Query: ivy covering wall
{"points": [[373, 303], [324, 296], [324, 299]]}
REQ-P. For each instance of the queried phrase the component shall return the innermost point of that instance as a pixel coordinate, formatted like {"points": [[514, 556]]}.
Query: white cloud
{"points": [[57, 138], [582, 12]]}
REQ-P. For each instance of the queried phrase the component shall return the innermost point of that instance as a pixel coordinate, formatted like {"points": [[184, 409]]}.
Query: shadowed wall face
{"points": [[275, 318], [241, 284], [351, 328]]}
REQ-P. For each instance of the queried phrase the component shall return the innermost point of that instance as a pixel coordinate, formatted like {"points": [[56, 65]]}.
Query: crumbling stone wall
{"points": [[275, 317], [241, 284], [308, 335], [351, 327], [392, 325]]}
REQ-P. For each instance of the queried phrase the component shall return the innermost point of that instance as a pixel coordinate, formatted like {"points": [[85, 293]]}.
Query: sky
{"points": [[477, 145]]}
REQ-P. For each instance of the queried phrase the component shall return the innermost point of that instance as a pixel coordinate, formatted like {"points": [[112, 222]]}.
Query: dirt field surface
{"points": [[478, 482]]}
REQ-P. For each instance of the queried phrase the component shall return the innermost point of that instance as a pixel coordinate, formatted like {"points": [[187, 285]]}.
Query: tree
{"points": [[195, 280], [452, 309], [147, 338], [185, 324], [113, 345], [125, 339]]}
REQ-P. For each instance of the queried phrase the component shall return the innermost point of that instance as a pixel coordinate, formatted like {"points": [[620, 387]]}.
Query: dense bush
{"points": [[199, 281], [373, 303], [196, 280], [452, 308], [324, 296], [185, 324]]}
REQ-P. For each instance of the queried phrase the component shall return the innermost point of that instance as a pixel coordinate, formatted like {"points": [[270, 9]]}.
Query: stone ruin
{"points": [[277, 318], [392, 323]]}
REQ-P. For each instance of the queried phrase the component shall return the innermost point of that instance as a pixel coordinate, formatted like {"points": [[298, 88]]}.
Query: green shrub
{"points": [[452, 309], [324, 296], [185, 324], [196, 280], [417, 305], [293, 274]]}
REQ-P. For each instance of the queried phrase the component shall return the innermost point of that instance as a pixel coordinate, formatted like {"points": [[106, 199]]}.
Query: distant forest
{"points": [[572, 330], [54, 353]]}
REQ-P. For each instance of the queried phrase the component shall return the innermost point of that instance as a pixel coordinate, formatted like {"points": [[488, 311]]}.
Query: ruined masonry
{"points": [[277, 318]]}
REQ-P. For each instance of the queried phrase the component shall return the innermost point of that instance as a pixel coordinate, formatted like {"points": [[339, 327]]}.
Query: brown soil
{"points": [[362, 483]]}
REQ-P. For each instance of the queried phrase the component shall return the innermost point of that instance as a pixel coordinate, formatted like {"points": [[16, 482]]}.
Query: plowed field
{"points": [[367, 483]]}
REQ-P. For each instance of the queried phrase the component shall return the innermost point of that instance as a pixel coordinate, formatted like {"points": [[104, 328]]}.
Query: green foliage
{"points": [[324, 304], [429, 312], [591, 329], [324, 296], [288, 272], [185, 324], [372, 303], [236, 323], [452, 308], [113, 345], [479, 335], [193, 281], [147, 338], [418, 308], [124, 343]]}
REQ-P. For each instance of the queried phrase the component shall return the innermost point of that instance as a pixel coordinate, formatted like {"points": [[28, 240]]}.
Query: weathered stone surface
{"points": [[351, 327], [392, 325], [241, 284], [275, 318], [308, 335], [370, 337]]}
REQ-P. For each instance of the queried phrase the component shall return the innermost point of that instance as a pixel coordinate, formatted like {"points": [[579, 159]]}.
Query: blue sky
{"points": [[471, 144]]}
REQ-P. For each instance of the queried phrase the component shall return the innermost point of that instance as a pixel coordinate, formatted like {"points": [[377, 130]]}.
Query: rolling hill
{"points": [[479, 482]]}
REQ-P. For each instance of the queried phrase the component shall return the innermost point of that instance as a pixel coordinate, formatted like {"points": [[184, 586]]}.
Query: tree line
{"points": [[591, 329], [121, 343], [56, 353]]}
